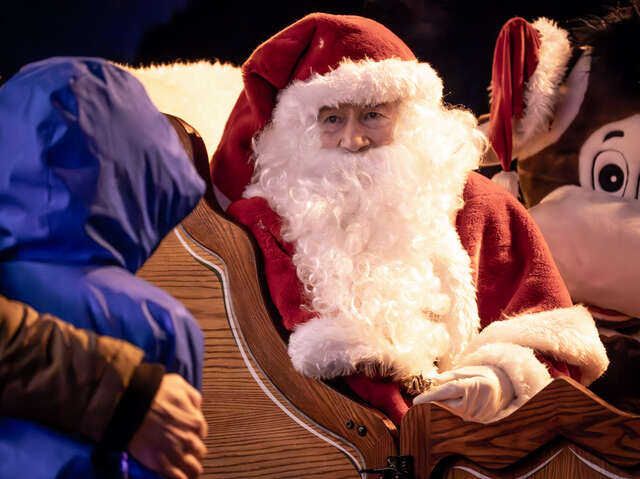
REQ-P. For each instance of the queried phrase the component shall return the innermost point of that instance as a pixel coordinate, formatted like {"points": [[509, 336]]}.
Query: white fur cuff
{"points": [[324, 348], [566, 334]]}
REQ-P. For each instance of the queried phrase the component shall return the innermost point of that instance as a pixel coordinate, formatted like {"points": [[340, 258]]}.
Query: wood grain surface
{"points": [[564, 410], [249, 435], [560, 460]]}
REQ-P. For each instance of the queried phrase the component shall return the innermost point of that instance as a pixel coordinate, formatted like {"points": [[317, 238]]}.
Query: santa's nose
{"points": [[354, 138]]}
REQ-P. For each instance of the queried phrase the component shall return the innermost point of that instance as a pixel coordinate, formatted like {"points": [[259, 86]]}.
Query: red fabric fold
{"points": [[382, 393], [515, 58], [280, 272]]}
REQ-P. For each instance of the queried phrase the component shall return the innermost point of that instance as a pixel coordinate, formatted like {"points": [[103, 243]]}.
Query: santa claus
{"points": [[394, 266]]}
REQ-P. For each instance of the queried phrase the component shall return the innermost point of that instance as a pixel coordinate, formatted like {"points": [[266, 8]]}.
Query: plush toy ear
{"points": [[529, 64]]}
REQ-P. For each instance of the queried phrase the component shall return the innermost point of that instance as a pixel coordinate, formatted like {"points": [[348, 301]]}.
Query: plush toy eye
{"points": [[610, 172]]}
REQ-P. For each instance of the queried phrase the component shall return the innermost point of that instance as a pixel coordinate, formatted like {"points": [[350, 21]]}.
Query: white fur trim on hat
{"points": [[364, 82], [541, 89], [568, 102], [566, 334]]}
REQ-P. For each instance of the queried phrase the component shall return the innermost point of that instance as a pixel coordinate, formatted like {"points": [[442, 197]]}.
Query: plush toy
{"points": [[566, 106]]}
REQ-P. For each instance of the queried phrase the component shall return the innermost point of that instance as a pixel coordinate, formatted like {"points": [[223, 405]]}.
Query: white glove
{"points": [[475, 393]]}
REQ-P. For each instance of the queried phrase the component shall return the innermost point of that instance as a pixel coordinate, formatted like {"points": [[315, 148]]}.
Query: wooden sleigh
{"points": [[267, 421]]}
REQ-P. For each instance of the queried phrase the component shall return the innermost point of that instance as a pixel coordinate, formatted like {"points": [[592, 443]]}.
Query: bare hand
{"points": [[170, 439]]}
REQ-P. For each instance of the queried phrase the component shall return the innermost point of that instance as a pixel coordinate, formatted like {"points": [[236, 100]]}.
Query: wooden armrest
{"points": [[564, 409]]}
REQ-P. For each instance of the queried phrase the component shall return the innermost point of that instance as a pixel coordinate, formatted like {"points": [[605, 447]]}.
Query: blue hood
{"points": [[91, 173], [92, 177]]}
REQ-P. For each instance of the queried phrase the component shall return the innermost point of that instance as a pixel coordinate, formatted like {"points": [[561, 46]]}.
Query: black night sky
{"points": [[456, 37]]}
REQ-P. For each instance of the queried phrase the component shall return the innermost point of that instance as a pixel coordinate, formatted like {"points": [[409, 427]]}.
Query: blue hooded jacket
{"points": [[93, 177]]}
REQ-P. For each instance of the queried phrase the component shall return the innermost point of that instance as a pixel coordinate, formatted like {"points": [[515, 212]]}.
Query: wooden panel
{"points": [[561, 461], [249, 435], [564, 409]]}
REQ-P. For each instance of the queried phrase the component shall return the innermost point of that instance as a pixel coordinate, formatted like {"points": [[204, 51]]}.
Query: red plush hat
{"points": [[326, 54], [529, 64]]}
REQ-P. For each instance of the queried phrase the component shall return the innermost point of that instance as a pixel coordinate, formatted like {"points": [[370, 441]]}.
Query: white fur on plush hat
{"points": [[542, 88], [567, 105], [365, 82]]}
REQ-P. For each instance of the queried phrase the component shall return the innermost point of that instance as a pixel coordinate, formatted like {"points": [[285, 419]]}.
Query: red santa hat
{"points": [[320, 60], [529, 64]]}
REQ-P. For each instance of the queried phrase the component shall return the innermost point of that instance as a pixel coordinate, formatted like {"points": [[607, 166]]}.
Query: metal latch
{"points": [[398, 467]]}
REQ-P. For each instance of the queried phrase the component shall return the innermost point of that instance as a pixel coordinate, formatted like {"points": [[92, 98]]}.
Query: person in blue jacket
{"points": [[94, 386], [92, 178]]}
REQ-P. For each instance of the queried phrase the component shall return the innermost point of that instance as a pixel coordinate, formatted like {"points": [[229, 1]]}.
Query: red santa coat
{"points": [[517, 285], [524, 309]]}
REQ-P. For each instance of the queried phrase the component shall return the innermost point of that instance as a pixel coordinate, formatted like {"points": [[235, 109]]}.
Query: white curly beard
{"points": [[376, 248]]}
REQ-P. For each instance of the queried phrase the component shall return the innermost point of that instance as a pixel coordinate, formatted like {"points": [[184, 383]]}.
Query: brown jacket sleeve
{"points": [[72, 379]]}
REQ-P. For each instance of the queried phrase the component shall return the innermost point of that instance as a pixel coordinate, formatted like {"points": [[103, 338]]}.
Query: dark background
{"points": [[456, 37]]}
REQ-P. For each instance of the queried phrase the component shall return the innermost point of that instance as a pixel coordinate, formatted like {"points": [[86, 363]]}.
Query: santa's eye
{"points": [[330, 120], [610, 172]]}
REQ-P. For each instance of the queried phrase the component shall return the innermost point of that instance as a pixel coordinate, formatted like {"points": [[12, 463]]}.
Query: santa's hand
{"points": [[475, 393]]}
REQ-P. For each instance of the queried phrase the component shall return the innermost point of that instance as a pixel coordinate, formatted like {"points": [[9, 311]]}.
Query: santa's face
{"points": [[356, 128], [610, 159], [373, 225]]}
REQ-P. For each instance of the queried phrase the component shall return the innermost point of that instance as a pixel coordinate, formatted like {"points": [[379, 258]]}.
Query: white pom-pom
{"points": [[508, 180]]}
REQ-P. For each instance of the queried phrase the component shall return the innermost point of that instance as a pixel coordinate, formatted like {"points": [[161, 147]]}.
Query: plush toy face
{"points": [[579, 172], [593, 229], [610, 159]]}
